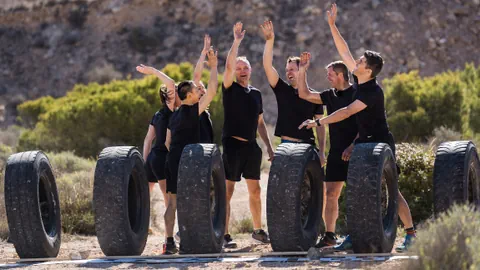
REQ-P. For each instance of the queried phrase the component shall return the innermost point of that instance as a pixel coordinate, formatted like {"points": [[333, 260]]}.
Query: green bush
{"points": [[450, 242], [415, 180], [93, 116], [75, 192], [416, 106]]}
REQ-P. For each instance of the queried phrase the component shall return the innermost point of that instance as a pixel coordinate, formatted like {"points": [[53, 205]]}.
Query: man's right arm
{"points": [[340, 43], [303, 90], [147, 142], [229, 73], [269, 34]]}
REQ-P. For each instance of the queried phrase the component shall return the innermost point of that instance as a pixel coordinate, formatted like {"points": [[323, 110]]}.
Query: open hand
{"points": [[238, 33], [212, 57], [267, 29], [347, 153], [309, 123], [323, 159], [332, 14], [305, 60], [145, 69], [271, 154], [206, 44]]}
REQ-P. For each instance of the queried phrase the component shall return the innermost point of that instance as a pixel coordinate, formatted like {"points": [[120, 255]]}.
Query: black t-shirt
{"points": [[241, 108], [292, 111], [206, 128], [344, 132], [372, 121], [160, 123], [184, 127]]}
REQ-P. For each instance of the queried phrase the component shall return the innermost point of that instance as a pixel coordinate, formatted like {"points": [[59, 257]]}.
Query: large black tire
{"points": [[121, 201], [33, 208], [294, 197], [201, 199], [456, 175], [372, 230]]}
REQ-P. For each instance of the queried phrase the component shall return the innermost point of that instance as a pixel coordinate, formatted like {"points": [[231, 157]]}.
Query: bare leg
{"points": [[169, 215], [254, 192], [163, 188], [334, 189], [230, 189], [404, 211]]}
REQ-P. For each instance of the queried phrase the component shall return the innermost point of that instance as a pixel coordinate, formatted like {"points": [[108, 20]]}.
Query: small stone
{"points": [[375, 3], [396, 16]]}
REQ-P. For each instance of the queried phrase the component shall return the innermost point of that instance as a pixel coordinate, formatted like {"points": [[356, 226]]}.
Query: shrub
{"points": [[415, 180], [244, 225], [416, 106], [75, 192], [94, 116], [450, 242]]}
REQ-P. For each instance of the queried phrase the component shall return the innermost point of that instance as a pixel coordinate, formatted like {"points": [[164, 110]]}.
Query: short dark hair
{"points": [[184, 88], [295, 59], [340, 67], [374, 62]]}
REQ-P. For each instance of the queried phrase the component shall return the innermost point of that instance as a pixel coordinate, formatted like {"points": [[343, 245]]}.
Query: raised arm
{"points": [[197, 73], [269, 34], [303, 89], [169, 83], [212, 82], [238, 35], [340, 43]]}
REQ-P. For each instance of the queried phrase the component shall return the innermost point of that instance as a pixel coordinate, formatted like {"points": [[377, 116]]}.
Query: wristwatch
{"points": [[317, 121]]}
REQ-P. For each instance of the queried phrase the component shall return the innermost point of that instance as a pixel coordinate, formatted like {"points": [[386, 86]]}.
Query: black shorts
{"points": [[388, 139], [171, 169], [155, 165], [241, 159], [337, 169]]}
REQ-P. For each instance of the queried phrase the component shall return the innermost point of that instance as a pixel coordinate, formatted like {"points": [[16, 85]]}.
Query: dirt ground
{"points": [[73, 246]]}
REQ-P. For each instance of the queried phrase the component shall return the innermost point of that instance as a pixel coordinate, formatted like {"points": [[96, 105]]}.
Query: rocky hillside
{"points": [[48, 46]]}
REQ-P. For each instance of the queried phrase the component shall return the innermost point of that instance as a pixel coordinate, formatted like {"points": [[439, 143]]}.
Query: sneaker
{"points": [[177, 237], [406, 244], [327, 241], [345, 245], [228, 241], [261, 236], [169, 248]]}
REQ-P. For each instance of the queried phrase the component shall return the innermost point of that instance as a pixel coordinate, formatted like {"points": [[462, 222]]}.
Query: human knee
{"points": [[255, 192], [333, 194]]}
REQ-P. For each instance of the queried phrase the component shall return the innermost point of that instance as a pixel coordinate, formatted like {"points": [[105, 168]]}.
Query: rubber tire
{"points": [[121, 224], [369, 230], [289, 166], [24, 175], [455, 162], [200, 230]]}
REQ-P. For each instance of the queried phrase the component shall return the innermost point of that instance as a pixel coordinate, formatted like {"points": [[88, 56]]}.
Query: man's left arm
{"points": [[262, 130], [321, 139], [337, 116]]}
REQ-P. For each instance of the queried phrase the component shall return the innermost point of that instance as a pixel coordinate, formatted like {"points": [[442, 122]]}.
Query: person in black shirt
{"points": [[154, 157], [292, 110], [369, 108], [243, 113], [183, 129], [342, 136]]}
